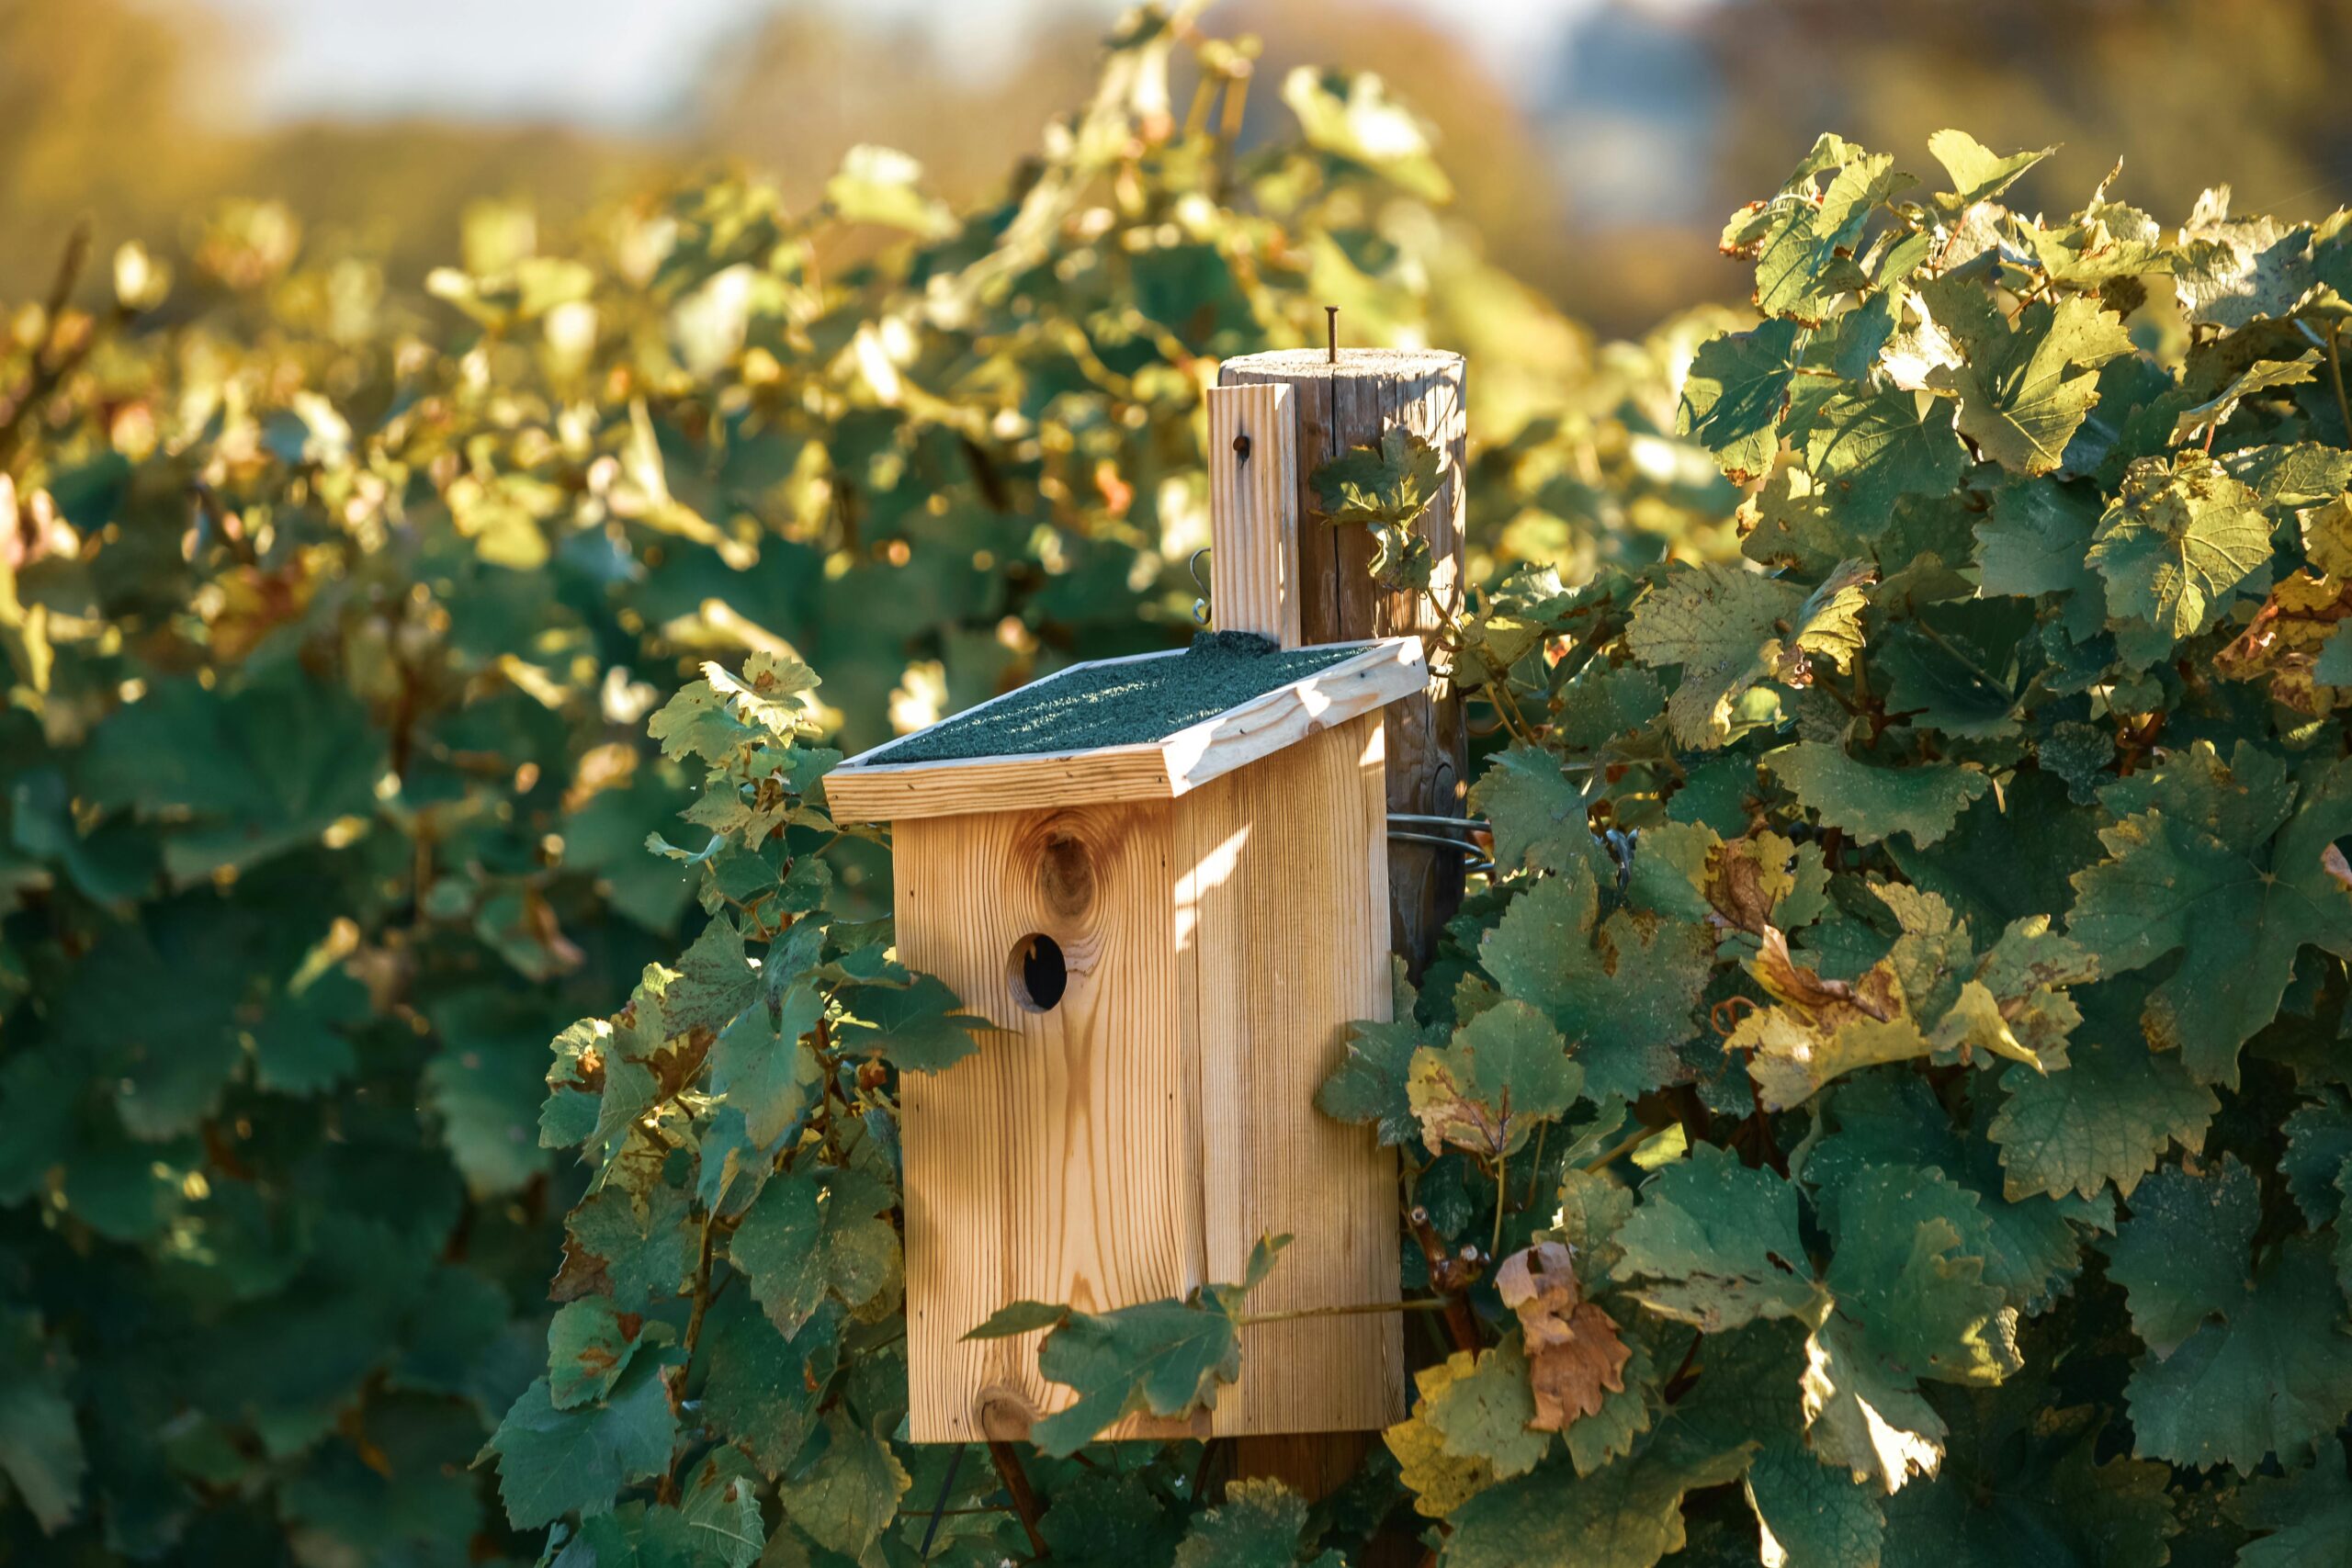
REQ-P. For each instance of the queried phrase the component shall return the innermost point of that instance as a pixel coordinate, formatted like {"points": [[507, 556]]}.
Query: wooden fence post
{"points": [[1351, 402], [1335, 403]]}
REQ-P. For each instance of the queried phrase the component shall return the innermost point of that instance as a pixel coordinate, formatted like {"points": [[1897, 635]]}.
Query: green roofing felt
{"points": [[1123, 704]]}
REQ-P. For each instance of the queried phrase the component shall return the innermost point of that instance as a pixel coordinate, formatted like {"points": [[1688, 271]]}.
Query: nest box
{"points": [[1164, 880]]}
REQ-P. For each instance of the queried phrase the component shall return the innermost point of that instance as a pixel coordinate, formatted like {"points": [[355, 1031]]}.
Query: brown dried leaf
{"points": [[2301, 613], [1573, 1350], [1824, 1003], [1746, 877]]}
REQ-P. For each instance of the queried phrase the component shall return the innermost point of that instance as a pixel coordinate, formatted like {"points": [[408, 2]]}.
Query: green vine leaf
{"points": [[1385, 488], [918, 1027], [2024, 386], [2238, 909], [2271, 1374], [1730, 629], [1166, 1359], [815, 1236], [553, 1462]]}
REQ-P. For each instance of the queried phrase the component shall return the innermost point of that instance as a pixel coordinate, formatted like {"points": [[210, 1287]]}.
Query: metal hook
{"points": [[1201, 604]]}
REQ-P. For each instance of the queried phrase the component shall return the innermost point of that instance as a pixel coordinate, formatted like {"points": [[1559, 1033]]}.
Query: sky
{"points": [[624, 63]]}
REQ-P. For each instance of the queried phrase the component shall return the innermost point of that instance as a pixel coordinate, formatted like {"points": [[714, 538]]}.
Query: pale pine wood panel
{"points": [[1057, 1163], [903, 792], [1253, 511], [1282, 920]]}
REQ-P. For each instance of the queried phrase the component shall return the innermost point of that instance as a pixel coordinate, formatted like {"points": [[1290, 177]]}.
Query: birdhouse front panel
{"points": [[1059, 1162], [1169, 981]]}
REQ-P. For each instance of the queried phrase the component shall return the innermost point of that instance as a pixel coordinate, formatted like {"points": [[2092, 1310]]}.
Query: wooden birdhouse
{"points": [[1165, 880]]}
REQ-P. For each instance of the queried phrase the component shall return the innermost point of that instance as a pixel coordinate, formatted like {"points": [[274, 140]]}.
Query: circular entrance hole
{"points": [[1039, 977]]}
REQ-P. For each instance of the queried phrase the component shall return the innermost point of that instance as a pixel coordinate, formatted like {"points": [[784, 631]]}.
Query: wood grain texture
{"points": [[1253, 511], [1351, 404], [1135, 1141], [1279, 916], [913, 791], [870, 788], [1058, 1162]]}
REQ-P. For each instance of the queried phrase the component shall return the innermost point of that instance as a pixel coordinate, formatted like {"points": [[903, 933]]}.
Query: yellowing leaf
{"points": [[2177, 539], [1440, 1479], [2024, 389], [1729, 629], [1933, 994], [1505, 1070], [1977, 172]]}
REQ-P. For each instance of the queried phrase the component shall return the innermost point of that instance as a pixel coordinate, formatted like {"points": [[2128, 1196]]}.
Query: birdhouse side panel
{"points": [[1282, 914], [1058, 1162]]}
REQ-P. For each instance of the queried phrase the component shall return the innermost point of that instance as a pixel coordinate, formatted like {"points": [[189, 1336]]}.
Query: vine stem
{"points": [[669, 1490], [1535, 1175], [1211, 1451], [1513, 714], [1959, 654], [1016, 1482], [1361, 1309], [54, 360], [1498, 692], [702, 1287], [2336, 375], [939, 1510], [1502, 1201], [1633, 1140]]}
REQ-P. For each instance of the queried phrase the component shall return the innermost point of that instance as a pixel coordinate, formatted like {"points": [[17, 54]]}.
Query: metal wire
{"points": [[1473, 859], [1201, 604], [939, 1509]]}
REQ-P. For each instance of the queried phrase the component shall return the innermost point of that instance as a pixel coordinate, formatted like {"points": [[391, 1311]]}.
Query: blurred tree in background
{"points": [[1586, 175], [2189, 94]]}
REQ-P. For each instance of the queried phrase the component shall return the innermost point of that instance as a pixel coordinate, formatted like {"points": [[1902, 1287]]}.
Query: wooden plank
{"points": [[968, 786], [1351, 403], [1058, 1162], [1279, 915], [1253, 511], [864, 791]]}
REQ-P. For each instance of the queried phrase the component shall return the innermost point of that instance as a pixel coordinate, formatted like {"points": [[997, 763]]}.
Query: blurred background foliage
{"points": [[1591, 148], [334, 593], [368, 481]]}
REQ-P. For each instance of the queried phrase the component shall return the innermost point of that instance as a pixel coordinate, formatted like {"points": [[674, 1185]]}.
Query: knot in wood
{"points": [[1065, 876]]}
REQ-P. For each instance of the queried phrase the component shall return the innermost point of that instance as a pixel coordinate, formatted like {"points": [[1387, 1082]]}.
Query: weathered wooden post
{"points": [[1348, 399], [1281, 571]]}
